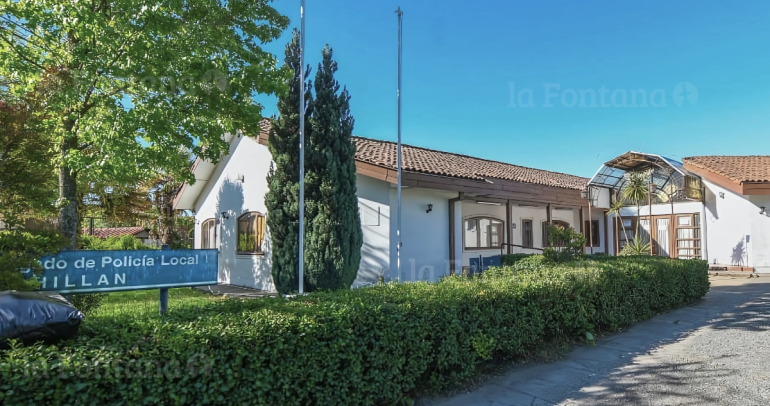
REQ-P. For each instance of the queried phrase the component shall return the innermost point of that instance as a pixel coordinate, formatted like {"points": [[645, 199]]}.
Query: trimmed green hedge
{"points": [[362, 347]]}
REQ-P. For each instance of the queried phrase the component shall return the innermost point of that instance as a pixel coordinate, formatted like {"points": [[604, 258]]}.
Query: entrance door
{"points": [[661, 233]]}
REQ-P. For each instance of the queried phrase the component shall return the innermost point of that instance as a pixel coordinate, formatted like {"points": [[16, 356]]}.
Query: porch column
{"points": [[508, 226], [455, 262]]}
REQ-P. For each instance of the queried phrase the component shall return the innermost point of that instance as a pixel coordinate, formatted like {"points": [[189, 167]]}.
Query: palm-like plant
{"points": [[635, 190], [615, 206], [636, 247]]}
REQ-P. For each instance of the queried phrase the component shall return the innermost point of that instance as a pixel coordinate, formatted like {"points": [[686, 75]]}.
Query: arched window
{"points": [[483, 233], [251, 233], [209, 234]]}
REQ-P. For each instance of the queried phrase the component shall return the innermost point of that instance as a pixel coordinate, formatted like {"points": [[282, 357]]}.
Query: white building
{"points": [[454, 208], [707, 207]]}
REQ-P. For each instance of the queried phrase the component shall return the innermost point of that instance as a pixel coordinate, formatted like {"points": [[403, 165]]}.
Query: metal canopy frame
{"points": [[670, 176]]}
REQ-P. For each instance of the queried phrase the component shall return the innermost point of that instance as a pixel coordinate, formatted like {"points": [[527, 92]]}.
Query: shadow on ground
{"points": [[688, 356]]}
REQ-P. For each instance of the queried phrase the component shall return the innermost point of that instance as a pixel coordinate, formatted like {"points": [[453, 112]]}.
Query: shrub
{"points": [[566, 244], [126, 242], [510, 259], [356, 347], [20, 251]]}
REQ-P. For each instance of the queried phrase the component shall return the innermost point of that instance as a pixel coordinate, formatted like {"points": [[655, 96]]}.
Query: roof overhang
{"points": [[202, 170], [741, 188]]}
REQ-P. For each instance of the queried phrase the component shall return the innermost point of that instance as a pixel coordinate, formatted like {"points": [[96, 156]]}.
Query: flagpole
{"points": [[398, 148], [301, 260]]}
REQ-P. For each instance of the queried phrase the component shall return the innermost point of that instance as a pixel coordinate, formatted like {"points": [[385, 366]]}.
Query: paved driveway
{"points": [[713, 352]]}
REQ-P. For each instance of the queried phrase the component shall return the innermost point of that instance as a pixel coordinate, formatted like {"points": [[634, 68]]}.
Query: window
{"points": [[527, 239], [630, 231], [483, 232], [557, 223], [593, 238], [251, 233], [209, 234], [688, 241]]}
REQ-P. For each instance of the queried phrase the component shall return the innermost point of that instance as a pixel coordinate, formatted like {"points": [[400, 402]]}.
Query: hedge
{"points": [[366, 346]]}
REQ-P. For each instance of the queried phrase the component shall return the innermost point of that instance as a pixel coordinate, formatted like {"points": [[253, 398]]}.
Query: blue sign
{"points": [[110, 271], [481, 264]]}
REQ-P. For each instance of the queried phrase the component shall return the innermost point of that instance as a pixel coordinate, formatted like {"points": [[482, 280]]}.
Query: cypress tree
{"points": [[333, 249], [283, 180]]}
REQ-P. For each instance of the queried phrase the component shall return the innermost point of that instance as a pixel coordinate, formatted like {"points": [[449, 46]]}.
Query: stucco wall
{"points": [[759, 244], [225, 193], [374, 208], [728, 222], [425, 238]]}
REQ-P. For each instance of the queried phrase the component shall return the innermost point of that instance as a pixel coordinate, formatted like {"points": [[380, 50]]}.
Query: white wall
{"points": [[425, 238], [728, 222], [759, 243], [225, 193], [374, 208]]}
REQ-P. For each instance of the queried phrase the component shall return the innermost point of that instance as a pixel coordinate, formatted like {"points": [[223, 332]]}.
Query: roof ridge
{"points": [[469, 156]]}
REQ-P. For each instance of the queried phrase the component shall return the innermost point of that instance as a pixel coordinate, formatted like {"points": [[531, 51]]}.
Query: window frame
{"points": [[493, 220], [595, 234], [527, 241], [696, 250], [258, 243], [205, 234]]}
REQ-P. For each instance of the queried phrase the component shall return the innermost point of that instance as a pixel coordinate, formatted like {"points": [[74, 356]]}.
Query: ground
{"points": [[715, 351]]}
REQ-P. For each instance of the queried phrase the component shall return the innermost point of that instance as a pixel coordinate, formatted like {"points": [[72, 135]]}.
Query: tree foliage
{"points": [[333, 250], [282, 200], [136, 80], [27, 181]]}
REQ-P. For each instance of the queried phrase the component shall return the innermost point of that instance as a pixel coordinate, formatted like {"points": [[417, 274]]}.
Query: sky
{"points": [[557, 85]]}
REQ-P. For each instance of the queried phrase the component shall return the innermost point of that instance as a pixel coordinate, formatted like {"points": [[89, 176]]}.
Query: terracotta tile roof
{"points": [[739, 169], [423, 160], [114, 232]]}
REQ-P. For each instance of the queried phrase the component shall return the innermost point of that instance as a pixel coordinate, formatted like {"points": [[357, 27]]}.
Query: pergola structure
{"points": [[671, 179]]}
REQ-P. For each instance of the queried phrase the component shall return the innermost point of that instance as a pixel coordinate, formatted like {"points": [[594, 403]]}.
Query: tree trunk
{"points": [[68, 213]]}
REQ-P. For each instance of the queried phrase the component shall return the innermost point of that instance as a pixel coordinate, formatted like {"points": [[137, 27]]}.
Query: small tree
{"points": [[635, 190], [615, 207], [566, 244], [334, 245], [283, 180]]}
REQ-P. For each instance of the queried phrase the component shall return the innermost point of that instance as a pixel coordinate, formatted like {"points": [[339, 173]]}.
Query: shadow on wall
{"points": [[374, 256], [738, 257], [711, 203], [229, 200]]}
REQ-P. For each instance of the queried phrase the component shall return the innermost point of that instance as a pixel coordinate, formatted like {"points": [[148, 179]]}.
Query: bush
{"points": [[358, 347], [126, 242], [88, 303], [20, 251]]}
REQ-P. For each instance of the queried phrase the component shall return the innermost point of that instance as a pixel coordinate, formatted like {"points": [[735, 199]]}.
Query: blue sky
{"points": [[460, 58]]}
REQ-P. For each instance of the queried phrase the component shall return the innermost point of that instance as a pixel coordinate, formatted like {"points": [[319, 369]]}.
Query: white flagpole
{"points": [[302, 147], [398, 153]]}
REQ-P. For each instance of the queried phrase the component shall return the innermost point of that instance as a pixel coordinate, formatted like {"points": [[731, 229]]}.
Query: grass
{"points": [[145, 303]]}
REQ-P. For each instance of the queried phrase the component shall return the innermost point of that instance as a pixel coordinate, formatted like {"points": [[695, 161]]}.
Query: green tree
{"points": [[27, 181], [283, 181], [136, 80], [333, 252]]}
